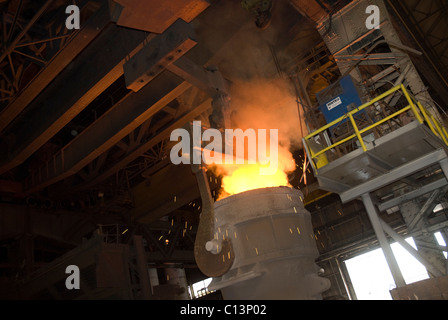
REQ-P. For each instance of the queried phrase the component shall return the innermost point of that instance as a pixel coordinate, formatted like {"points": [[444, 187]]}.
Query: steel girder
{"points": [[123, 118], [94, 70], [90, 29], [103, 168], [126, 115], [426, 24], [197, 76], [162, 134]]}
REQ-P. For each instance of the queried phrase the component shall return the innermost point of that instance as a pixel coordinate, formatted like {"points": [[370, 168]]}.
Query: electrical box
{"points": [[340, 99]]}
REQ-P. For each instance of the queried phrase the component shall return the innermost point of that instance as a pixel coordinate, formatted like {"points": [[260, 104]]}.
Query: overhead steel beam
{"points": [[389, 74], [19, 37], [113, 126], [208, 51], [155, 15], [408, 19], [93, 71], [372, 59], [129, 113], [90, 29], [161, 135], [162, 194], [412, 194], [208, 80], [157, 54]]}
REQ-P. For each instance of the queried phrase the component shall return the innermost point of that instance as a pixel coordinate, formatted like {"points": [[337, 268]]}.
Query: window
{"points": [[441, 241], [371, 277], [200, 288]]}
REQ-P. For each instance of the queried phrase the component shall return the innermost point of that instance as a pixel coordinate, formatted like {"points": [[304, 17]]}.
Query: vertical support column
{"points": [[444, 233], [142, 268], [384, 243], [177, 277], [347, 283], [414, 214], [444, 166], [428, 265], [153, 278]]}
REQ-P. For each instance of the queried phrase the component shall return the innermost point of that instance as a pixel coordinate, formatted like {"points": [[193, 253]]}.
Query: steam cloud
{"points": [[260, 98], [263, 104]]}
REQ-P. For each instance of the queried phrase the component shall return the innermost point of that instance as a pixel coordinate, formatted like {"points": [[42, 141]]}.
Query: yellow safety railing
{"points": [[421, 114]]}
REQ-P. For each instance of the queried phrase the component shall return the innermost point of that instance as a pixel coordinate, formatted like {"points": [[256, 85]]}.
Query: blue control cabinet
{"points": [[340, 99]]}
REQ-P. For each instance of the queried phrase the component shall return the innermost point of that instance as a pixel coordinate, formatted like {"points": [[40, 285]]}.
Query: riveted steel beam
{"points": [[113, 126], [94, 70], [164, 133], [157, 54]]}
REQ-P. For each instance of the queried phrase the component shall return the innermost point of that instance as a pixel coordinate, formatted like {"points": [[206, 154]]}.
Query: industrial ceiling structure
{"points": [[86, 116]]}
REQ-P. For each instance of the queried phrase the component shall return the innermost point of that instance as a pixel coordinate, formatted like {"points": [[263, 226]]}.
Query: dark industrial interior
{"points": [[87, 176]]}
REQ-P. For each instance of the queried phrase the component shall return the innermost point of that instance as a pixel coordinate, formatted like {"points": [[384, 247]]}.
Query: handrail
{"points": [[365, 105], [421, 114]]}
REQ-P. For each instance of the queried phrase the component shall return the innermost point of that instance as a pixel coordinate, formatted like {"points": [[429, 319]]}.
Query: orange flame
{"points": [[267, 104], [245, 177]]}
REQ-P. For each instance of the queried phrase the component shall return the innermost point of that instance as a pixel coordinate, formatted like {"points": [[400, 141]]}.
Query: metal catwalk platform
{"points": [[398, 156], [396, 161]]}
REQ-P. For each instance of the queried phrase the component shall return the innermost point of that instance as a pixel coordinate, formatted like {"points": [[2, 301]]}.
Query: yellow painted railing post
{"points": [[357, 132], [427, 119], [411, 103], [436, 123], [444, 132]]}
